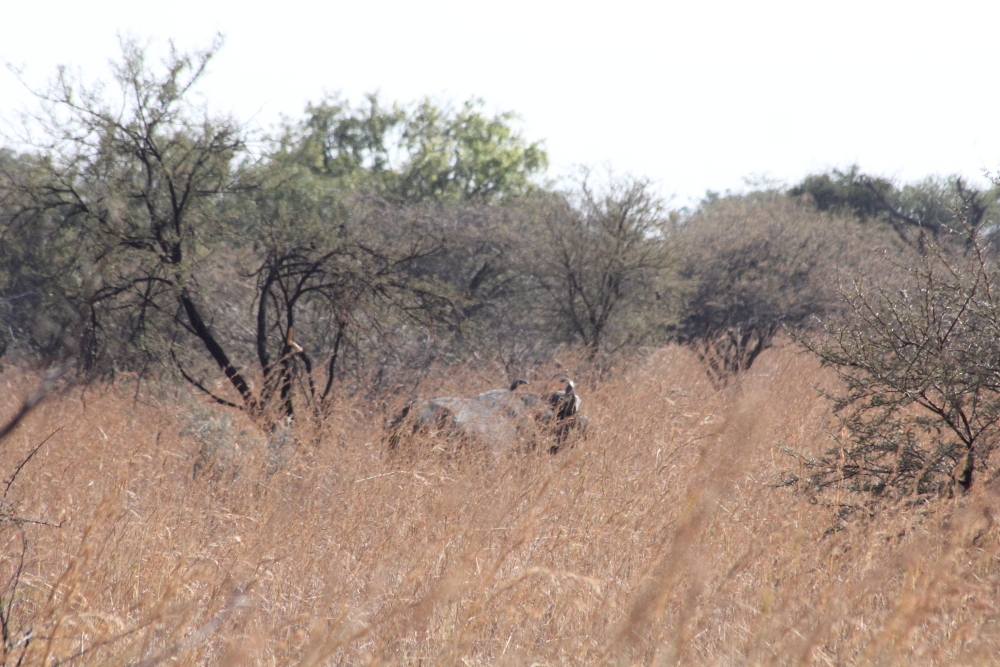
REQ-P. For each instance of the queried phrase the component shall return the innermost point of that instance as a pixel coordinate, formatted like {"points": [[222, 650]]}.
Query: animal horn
{"points": [[290, 340]]}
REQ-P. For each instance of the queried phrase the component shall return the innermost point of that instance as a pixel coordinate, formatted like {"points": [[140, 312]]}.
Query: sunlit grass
{"points": [[662, 538]]}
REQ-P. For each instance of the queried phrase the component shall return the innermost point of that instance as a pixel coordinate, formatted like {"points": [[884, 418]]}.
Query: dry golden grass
{"points": [[659, 540]]}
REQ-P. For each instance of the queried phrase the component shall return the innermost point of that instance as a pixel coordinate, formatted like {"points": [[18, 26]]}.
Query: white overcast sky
{"points": [[694, 95]]}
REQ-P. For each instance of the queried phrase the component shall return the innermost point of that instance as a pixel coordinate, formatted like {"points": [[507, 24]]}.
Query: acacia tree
{"points": [[920, 359], [340, 276], [599, 259], [137, 181], [178, 232], [753, 265]]}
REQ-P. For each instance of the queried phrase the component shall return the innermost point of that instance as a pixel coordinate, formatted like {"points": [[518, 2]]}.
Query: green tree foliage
{"points": [[845, 192], [39, 269], [945, 210], [341, 142], [466, 154], [371, 239], [426, 151]]}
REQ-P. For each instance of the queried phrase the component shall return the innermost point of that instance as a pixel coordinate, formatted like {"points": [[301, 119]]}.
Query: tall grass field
{"points": [[167, 531]]}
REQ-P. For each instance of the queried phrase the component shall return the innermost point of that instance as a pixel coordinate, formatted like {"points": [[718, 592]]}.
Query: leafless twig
{"points": [[26, 459]]}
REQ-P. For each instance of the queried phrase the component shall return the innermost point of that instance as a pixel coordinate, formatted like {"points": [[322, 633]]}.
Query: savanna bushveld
{"points": [[791, 398]]}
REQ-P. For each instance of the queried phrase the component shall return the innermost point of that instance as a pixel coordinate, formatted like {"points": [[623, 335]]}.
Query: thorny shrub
{"points": [[919, 354]]}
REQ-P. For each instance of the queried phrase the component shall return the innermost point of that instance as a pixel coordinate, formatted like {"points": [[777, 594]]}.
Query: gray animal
{"points": [[494, 417]]}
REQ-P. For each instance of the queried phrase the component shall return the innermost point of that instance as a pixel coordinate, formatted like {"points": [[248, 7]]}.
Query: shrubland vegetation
{"points": [[230, 321]]}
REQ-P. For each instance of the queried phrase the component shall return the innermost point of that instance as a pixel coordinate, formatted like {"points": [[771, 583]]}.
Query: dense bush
{"points": [[753, 264]]}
